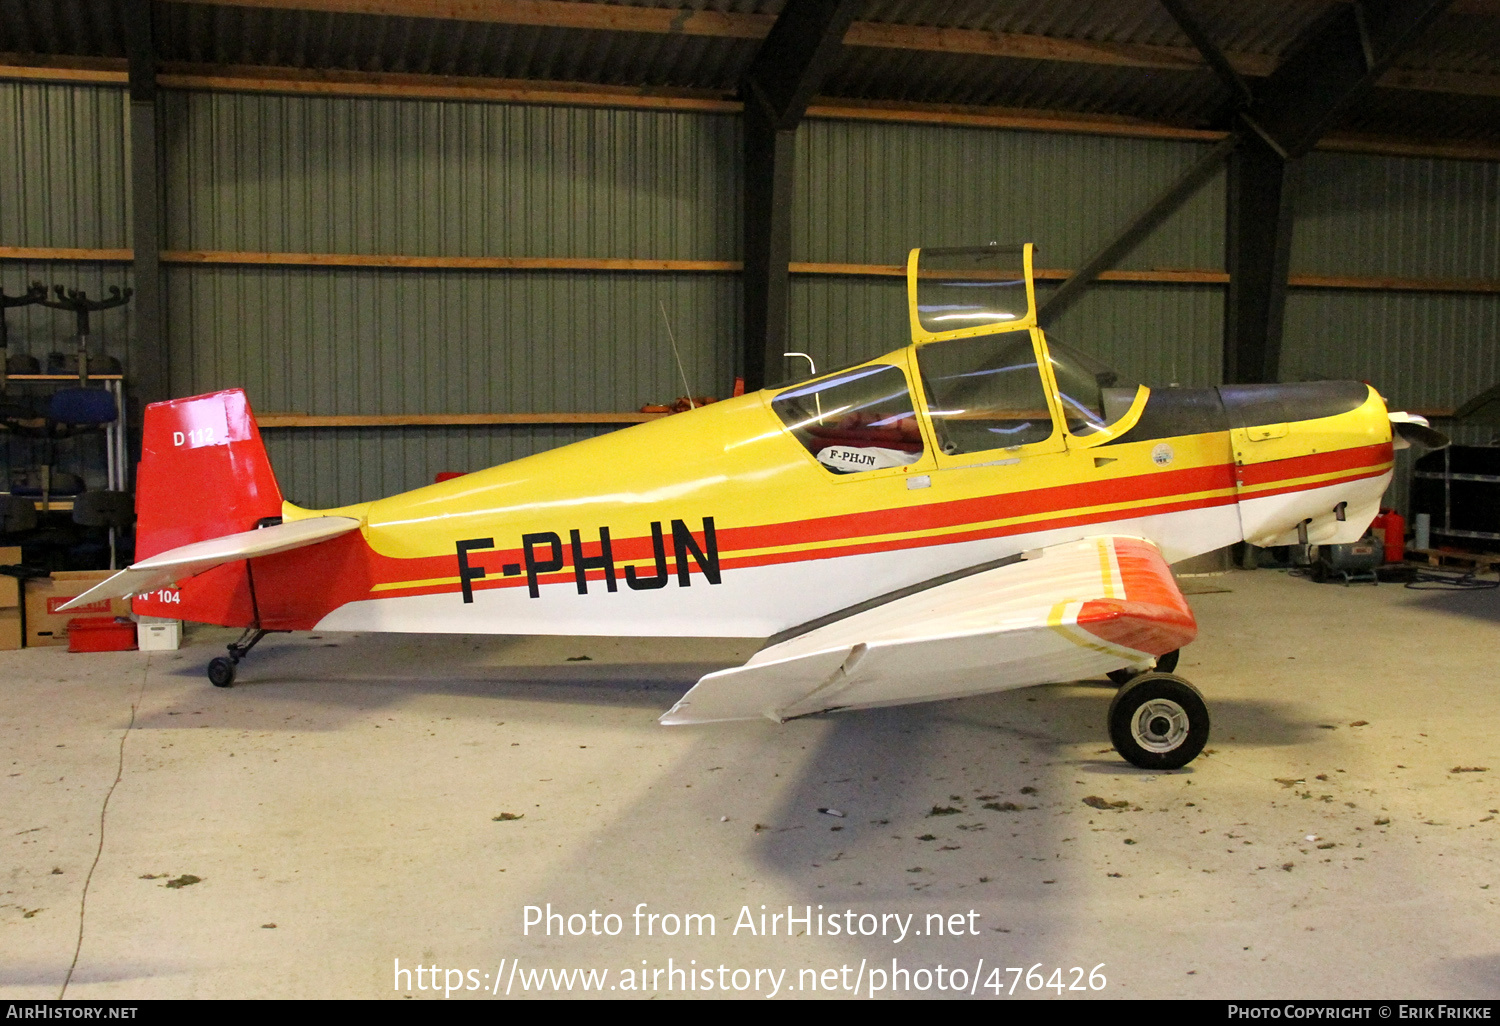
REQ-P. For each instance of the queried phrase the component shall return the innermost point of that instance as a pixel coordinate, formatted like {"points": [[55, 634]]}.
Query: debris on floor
{"points": [[1094, 801]]}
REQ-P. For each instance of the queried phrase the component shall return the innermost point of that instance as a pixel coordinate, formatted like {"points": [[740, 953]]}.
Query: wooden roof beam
{"points": [[400, 86], [878, 35]]}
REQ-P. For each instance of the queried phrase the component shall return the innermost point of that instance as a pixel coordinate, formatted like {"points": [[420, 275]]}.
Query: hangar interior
{"points": [[428, 236]]}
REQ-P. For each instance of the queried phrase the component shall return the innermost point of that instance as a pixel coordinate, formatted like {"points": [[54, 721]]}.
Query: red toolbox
{"points": [[101, 634]]}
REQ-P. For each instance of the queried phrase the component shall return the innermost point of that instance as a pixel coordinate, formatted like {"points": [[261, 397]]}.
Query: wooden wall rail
{"points": [[387, 85], [388, 261], [303, 420], [444, 263], [379, 420]]}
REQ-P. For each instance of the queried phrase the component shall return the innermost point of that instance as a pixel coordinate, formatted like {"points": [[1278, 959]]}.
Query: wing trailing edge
{"points": [[1068, 612], [185, 561]]}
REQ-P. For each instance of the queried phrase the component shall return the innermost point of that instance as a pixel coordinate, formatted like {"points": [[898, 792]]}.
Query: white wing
{"points": [[1070, 611]]}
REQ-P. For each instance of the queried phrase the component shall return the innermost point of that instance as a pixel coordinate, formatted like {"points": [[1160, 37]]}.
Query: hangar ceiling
{"points": [[580, 101], [1127, 61]]}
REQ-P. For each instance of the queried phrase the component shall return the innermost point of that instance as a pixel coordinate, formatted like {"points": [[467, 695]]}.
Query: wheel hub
{"points": [[1159, 725]]}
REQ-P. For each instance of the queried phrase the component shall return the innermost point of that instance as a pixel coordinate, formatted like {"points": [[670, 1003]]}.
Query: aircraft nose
{"points": [[1274, 405]]}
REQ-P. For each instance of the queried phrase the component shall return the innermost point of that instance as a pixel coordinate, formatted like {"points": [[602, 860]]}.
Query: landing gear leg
{"points": [[1164, 664], [221, 670], [1158, 722]]}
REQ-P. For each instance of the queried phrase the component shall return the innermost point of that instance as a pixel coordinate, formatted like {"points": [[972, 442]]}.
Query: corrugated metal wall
{"points": [[63, 166], [1405, 217], [1397, 217], [297, 174], [285, 174], [869, 192], [1150, 333], [62, 184]]}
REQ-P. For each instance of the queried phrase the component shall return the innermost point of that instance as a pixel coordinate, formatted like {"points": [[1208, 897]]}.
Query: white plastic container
{"points": [[157, 634]]}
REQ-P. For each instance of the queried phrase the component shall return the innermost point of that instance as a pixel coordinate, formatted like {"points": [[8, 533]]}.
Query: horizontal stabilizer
{"points": [[166, 568], [1068, 612]]}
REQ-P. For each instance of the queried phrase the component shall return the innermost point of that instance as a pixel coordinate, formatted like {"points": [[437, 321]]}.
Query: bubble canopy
{"points": [[973, 290]]}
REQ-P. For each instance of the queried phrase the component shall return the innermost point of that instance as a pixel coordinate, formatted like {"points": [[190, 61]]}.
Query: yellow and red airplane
{"points": [[980, 510]]}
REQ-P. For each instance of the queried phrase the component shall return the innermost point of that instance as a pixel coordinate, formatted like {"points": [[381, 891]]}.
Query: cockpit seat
{"points": [[860, 430]]}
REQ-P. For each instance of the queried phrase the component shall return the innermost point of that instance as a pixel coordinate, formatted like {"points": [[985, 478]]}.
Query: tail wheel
{"points": [[1158, 721], [1164, 664], [221, 672]]}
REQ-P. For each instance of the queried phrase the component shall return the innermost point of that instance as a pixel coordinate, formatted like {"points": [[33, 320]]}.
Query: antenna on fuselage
{"points": [[677, 355], [817, 399]]}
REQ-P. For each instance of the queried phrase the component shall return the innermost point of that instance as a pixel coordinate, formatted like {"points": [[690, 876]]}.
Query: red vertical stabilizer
{"points": [[204, 473]]}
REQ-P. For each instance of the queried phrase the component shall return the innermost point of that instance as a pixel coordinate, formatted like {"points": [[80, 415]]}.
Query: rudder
{"points": [[204, 473]]}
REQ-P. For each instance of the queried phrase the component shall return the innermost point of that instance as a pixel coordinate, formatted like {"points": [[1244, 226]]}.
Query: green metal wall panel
{"points": [[1420, 349], [338, 341], [338, 175], [1397, 216], [325, 467], [1154, 334], [63, 159], [869, 192]]}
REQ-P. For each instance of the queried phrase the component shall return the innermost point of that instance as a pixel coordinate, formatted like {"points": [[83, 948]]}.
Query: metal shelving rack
{"points": [[1447, 476]]}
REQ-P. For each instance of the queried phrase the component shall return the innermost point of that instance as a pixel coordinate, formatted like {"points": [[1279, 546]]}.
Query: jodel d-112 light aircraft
{"points": [[981, 510]]}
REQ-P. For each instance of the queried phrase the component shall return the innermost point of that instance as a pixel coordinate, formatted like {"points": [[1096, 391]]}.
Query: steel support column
{"points": [[146, 362], [769, 162], [1258, 248], [1337, 61], [787, 71]]}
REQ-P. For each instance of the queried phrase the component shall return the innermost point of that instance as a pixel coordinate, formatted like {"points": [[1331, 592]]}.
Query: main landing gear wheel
{"points": [[1158, 722], [221, 672], [1164, 664]]}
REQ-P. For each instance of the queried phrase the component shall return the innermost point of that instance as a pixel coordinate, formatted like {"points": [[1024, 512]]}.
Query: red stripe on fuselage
{"points": [[936, 516], [1363, 456]]}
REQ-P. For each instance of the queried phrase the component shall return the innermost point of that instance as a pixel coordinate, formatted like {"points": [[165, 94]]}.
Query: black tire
{"points": [[221, 672], [1158, 722], [1164, 664]]}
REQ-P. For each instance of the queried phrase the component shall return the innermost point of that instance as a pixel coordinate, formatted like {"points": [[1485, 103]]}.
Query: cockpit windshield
{"points": [[985, 393], [1093, 396], [975, 287], [854, 420]]}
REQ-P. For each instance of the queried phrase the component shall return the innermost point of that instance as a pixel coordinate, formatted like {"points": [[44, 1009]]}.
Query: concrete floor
{"points": [[347, 791]]}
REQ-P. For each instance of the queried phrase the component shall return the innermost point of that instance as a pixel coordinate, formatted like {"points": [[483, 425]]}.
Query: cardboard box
{"points": [[10, 629], [44, 624], [10, 590], [10, 602]]}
